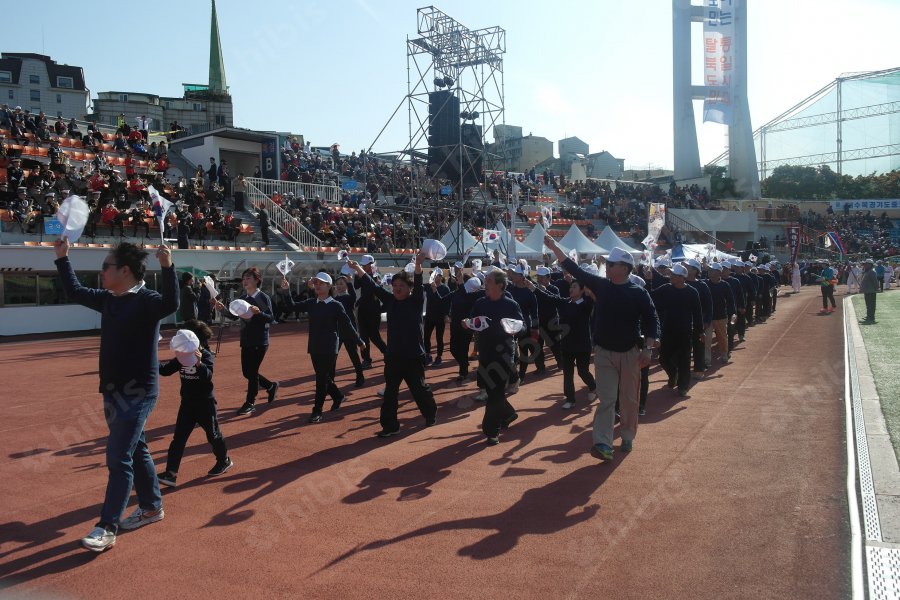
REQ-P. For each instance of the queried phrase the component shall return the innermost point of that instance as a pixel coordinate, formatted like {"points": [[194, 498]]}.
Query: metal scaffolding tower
{"points": [[467, 66]]}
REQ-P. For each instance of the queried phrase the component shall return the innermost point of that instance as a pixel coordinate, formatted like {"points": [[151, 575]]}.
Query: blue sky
{"points": [[335, 71]]}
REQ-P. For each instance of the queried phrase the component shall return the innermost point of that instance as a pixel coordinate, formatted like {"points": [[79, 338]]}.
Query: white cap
{"points": [[476, 264], [472, 285], [323, 277], [239, 307], [520, 270], [366, 259], [346, 270], [637, 280], [749, 264], [661, 262], [458, 265], [619, 255], [434, 249], [679, 270], [185, 340], [715, 267], [693, 262], [543, 271]]}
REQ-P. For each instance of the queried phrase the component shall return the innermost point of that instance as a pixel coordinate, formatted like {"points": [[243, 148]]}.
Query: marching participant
{"points": [[680, 312], [575, 335], [254, 337], [129, 375], [701, 344], [527, 338], [622, 312], [328, 325], [404, 352], [548, 318], [461, 303], [368, 312], [496, 351], [345, 293], [437, 308], [723, 309]]}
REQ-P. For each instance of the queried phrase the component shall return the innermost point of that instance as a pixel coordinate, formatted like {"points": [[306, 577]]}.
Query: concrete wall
{"points": [[214, 146], [720, 223]]}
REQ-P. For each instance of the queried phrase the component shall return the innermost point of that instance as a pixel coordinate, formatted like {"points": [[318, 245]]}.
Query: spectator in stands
{"points": [[240, 188], [14, 173], [263, 217], [72, 129], [212, 173], [6, 116], [223, 178], [143, 125], [21, 207]]}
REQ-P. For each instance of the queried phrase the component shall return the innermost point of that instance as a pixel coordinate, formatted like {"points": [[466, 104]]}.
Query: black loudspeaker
{"points": [[443, 119]]}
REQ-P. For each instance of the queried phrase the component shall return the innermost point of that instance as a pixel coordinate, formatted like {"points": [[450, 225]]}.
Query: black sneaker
{"points": [[673, 379], [430, 422], [167, 478], [336, 404], [247, 409], [509, 420], [360, 381], [367, 364], [493, 441], [384, 433], [315, 418], [642, 412], [272, 390], [220, 467], [437, 362]]}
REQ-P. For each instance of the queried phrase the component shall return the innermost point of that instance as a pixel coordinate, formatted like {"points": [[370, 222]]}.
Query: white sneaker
{"points": [[381, 392], [482, 396], [99, 539], [140, 517], [568, 405], [512, 389]]}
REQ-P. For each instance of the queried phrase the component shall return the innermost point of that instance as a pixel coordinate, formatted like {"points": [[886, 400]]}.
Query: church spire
{"points": [[216, 64]]}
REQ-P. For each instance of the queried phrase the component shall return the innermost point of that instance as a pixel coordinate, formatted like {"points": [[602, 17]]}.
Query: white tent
{"points": [[576, 240], [703, 251], [609, 239], [459, 241], [535, 239], [523, 250]]}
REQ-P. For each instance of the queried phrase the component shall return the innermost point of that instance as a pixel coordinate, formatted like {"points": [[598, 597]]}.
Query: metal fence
{"points": [[329, 193], [260, 193]]}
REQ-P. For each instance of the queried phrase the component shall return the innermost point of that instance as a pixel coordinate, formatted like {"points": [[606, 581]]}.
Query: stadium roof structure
{"points": [[851, 125]]}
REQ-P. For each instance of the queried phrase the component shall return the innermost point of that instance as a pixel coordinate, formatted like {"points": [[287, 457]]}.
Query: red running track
{"points": [[736, 491]]}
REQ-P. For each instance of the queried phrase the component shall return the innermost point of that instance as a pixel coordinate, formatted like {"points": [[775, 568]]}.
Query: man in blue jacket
{"points": [[129, 373]]}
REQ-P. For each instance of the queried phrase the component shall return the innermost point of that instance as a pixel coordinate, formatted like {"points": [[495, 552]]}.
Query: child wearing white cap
{"points": [[198, 403]]}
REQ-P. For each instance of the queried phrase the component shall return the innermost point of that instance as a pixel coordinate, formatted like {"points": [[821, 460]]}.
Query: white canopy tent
{"points": [[535, 239], [523, 250], [609, 239], [458, 241], [576, 240]]}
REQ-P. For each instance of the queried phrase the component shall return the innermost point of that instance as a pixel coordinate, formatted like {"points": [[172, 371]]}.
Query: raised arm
{"points": [[75, 292], [169, 301]]}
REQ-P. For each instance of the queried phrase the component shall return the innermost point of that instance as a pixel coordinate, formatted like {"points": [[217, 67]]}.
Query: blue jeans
{"points": [[127, 456]]}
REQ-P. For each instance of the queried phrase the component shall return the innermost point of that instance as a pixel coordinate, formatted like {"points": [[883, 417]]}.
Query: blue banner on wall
{"points": [[52, 227]]}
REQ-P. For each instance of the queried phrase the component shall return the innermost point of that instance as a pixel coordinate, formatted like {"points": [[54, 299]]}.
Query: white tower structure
{"points": [[724, 90]]}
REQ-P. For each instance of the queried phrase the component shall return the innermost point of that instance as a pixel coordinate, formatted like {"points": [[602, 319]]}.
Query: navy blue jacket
{"points": [[528, 305], [196, 381], [368, 303], [404, 319], [255, 330], [723, 299], [705, 299], [494, 344], [547, 311], [622, 312], [737, 291], [437, 304], [679, 309], [461, 303], [348, 301], [749, 285], [574, 320], [328, 325], [129, 329]]}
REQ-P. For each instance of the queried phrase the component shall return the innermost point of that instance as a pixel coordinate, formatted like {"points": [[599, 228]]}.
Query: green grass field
{"points": [[884, 357]]}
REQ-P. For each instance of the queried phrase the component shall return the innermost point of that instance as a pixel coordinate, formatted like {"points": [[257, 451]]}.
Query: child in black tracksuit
{"points": [[198, 407]]}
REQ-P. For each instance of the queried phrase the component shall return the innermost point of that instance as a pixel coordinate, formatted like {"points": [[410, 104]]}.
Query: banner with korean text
{"points": [[793, 239], [718, 60]]}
